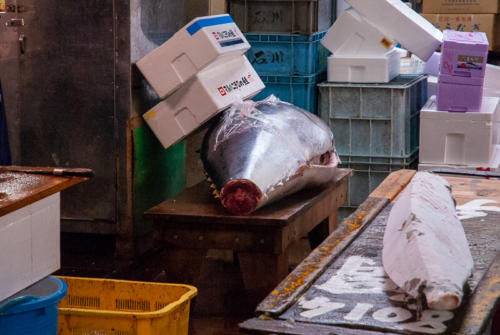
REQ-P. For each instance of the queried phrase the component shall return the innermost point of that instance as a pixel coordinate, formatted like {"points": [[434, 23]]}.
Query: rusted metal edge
{"points": [[263, 326], [300, 279], [481, 306]]}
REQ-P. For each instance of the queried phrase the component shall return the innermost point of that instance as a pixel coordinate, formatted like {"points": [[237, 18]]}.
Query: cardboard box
{"points": [[209, 92], [487, 23], [197, 8], [461, 6], [29, 245]]}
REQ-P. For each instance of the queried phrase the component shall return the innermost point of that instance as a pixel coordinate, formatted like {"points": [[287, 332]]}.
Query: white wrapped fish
{"points": [[425, 248]]}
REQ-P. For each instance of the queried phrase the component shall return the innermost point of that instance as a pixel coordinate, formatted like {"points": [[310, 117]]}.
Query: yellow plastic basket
{"points": [[119, 307]]}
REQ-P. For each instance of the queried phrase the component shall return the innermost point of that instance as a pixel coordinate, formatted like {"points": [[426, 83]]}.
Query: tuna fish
{"points": [[425, 249], [258, 152]]}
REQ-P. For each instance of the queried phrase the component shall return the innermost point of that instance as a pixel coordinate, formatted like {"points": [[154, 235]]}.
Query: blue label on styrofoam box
{"points": [[207, 22]]}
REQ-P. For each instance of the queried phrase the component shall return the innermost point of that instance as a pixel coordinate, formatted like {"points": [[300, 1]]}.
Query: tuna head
{"points": [[258, 152]]}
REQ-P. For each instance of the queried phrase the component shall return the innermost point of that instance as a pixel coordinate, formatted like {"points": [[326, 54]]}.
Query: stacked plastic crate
{"points": [[376, 129], [285, 44], [372, 110]]}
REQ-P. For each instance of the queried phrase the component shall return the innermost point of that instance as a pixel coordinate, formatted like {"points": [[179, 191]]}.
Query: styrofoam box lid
{"points": [[489, 111], [476, 39], [403, 81]]}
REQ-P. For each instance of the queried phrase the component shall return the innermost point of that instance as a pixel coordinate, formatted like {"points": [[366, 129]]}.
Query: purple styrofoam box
{"points": [[454, 96], [464, 54]]}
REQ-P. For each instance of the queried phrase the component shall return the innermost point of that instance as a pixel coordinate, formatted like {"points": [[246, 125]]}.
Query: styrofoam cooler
{"points": [[492, 166], [364, 69], [201, 42], [459, 138], [29, 244], [209, 92], [399, 22]]}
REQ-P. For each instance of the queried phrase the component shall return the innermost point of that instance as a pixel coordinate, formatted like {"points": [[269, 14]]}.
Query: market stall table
{"points": [[195, 220], [341, 287]]}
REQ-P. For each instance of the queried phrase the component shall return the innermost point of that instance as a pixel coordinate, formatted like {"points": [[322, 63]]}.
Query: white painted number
{"points": [[318, 306]]}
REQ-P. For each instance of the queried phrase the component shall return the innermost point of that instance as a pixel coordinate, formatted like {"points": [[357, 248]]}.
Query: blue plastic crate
{"points": [[369, 174], [374, 120], [300, 91], [34, 310], [287, 55]]}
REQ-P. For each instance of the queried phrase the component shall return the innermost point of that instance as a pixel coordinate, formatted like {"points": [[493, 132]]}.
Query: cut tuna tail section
{"points": [[425, 250]]}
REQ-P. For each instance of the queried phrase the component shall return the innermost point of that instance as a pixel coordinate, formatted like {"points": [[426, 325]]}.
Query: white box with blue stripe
{"points": [[203, 41]]}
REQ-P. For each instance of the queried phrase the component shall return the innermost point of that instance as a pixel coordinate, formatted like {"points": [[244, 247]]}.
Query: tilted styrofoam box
{"points": [[459, 138], [201, 42], [29, 245], [364, 69], [399, 22], [209, 92], [352, 36]]}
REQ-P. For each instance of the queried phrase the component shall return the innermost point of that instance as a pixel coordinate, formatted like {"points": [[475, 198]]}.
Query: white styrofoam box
{"points": [[432, 85], [459, 138], [29, 245], [432, 64], [492, 77], [352, 36], [210, 91], [401, 23], [492, 166], [341, 7], [364, 70], [201, 42]]}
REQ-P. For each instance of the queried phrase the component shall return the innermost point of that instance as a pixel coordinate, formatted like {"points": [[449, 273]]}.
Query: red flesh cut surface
{"points": [[240, 196]]}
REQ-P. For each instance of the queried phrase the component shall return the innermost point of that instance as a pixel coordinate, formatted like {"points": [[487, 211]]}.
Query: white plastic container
{"points": [[364, 70], [202, 41], [352, 36], [399, 22], [29, 245], [209, 92], [448, 138]]}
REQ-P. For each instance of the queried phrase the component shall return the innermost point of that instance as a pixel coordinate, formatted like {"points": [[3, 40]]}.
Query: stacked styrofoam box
{"points": [[29, 245], [200, 71], [361, 40], [459, 139], [375, 128]]}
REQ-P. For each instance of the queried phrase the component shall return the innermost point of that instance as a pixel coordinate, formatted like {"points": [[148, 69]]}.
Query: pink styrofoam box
{"points": [[464, 54], [459, 94]]}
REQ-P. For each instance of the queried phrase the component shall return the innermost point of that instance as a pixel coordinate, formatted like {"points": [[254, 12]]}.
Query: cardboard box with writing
{"points": [[461, 6], [487, 23]]}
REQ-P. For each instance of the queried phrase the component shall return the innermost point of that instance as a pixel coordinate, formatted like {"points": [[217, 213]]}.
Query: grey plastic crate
{"points": [[375, 121], [367, 176], [283, 16]]}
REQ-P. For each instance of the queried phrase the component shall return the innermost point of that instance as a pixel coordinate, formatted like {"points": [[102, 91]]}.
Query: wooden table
{"points": [[341, 287], [194, 222]]}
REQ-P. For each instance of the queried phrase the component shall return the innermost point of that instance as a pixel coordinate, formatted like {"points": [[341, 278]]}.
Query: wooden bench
{"points": [[193, 222]]}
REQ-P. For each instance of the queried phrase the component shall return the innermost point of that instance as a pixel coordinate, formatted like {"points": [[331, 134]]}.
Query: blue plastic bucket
{"points": [[34, 309]]}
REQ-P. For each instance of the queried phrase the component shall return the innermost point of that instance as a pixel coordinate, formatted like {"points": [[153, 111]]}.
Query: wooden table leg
{"points": [[323, 230], [261, 273]]}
